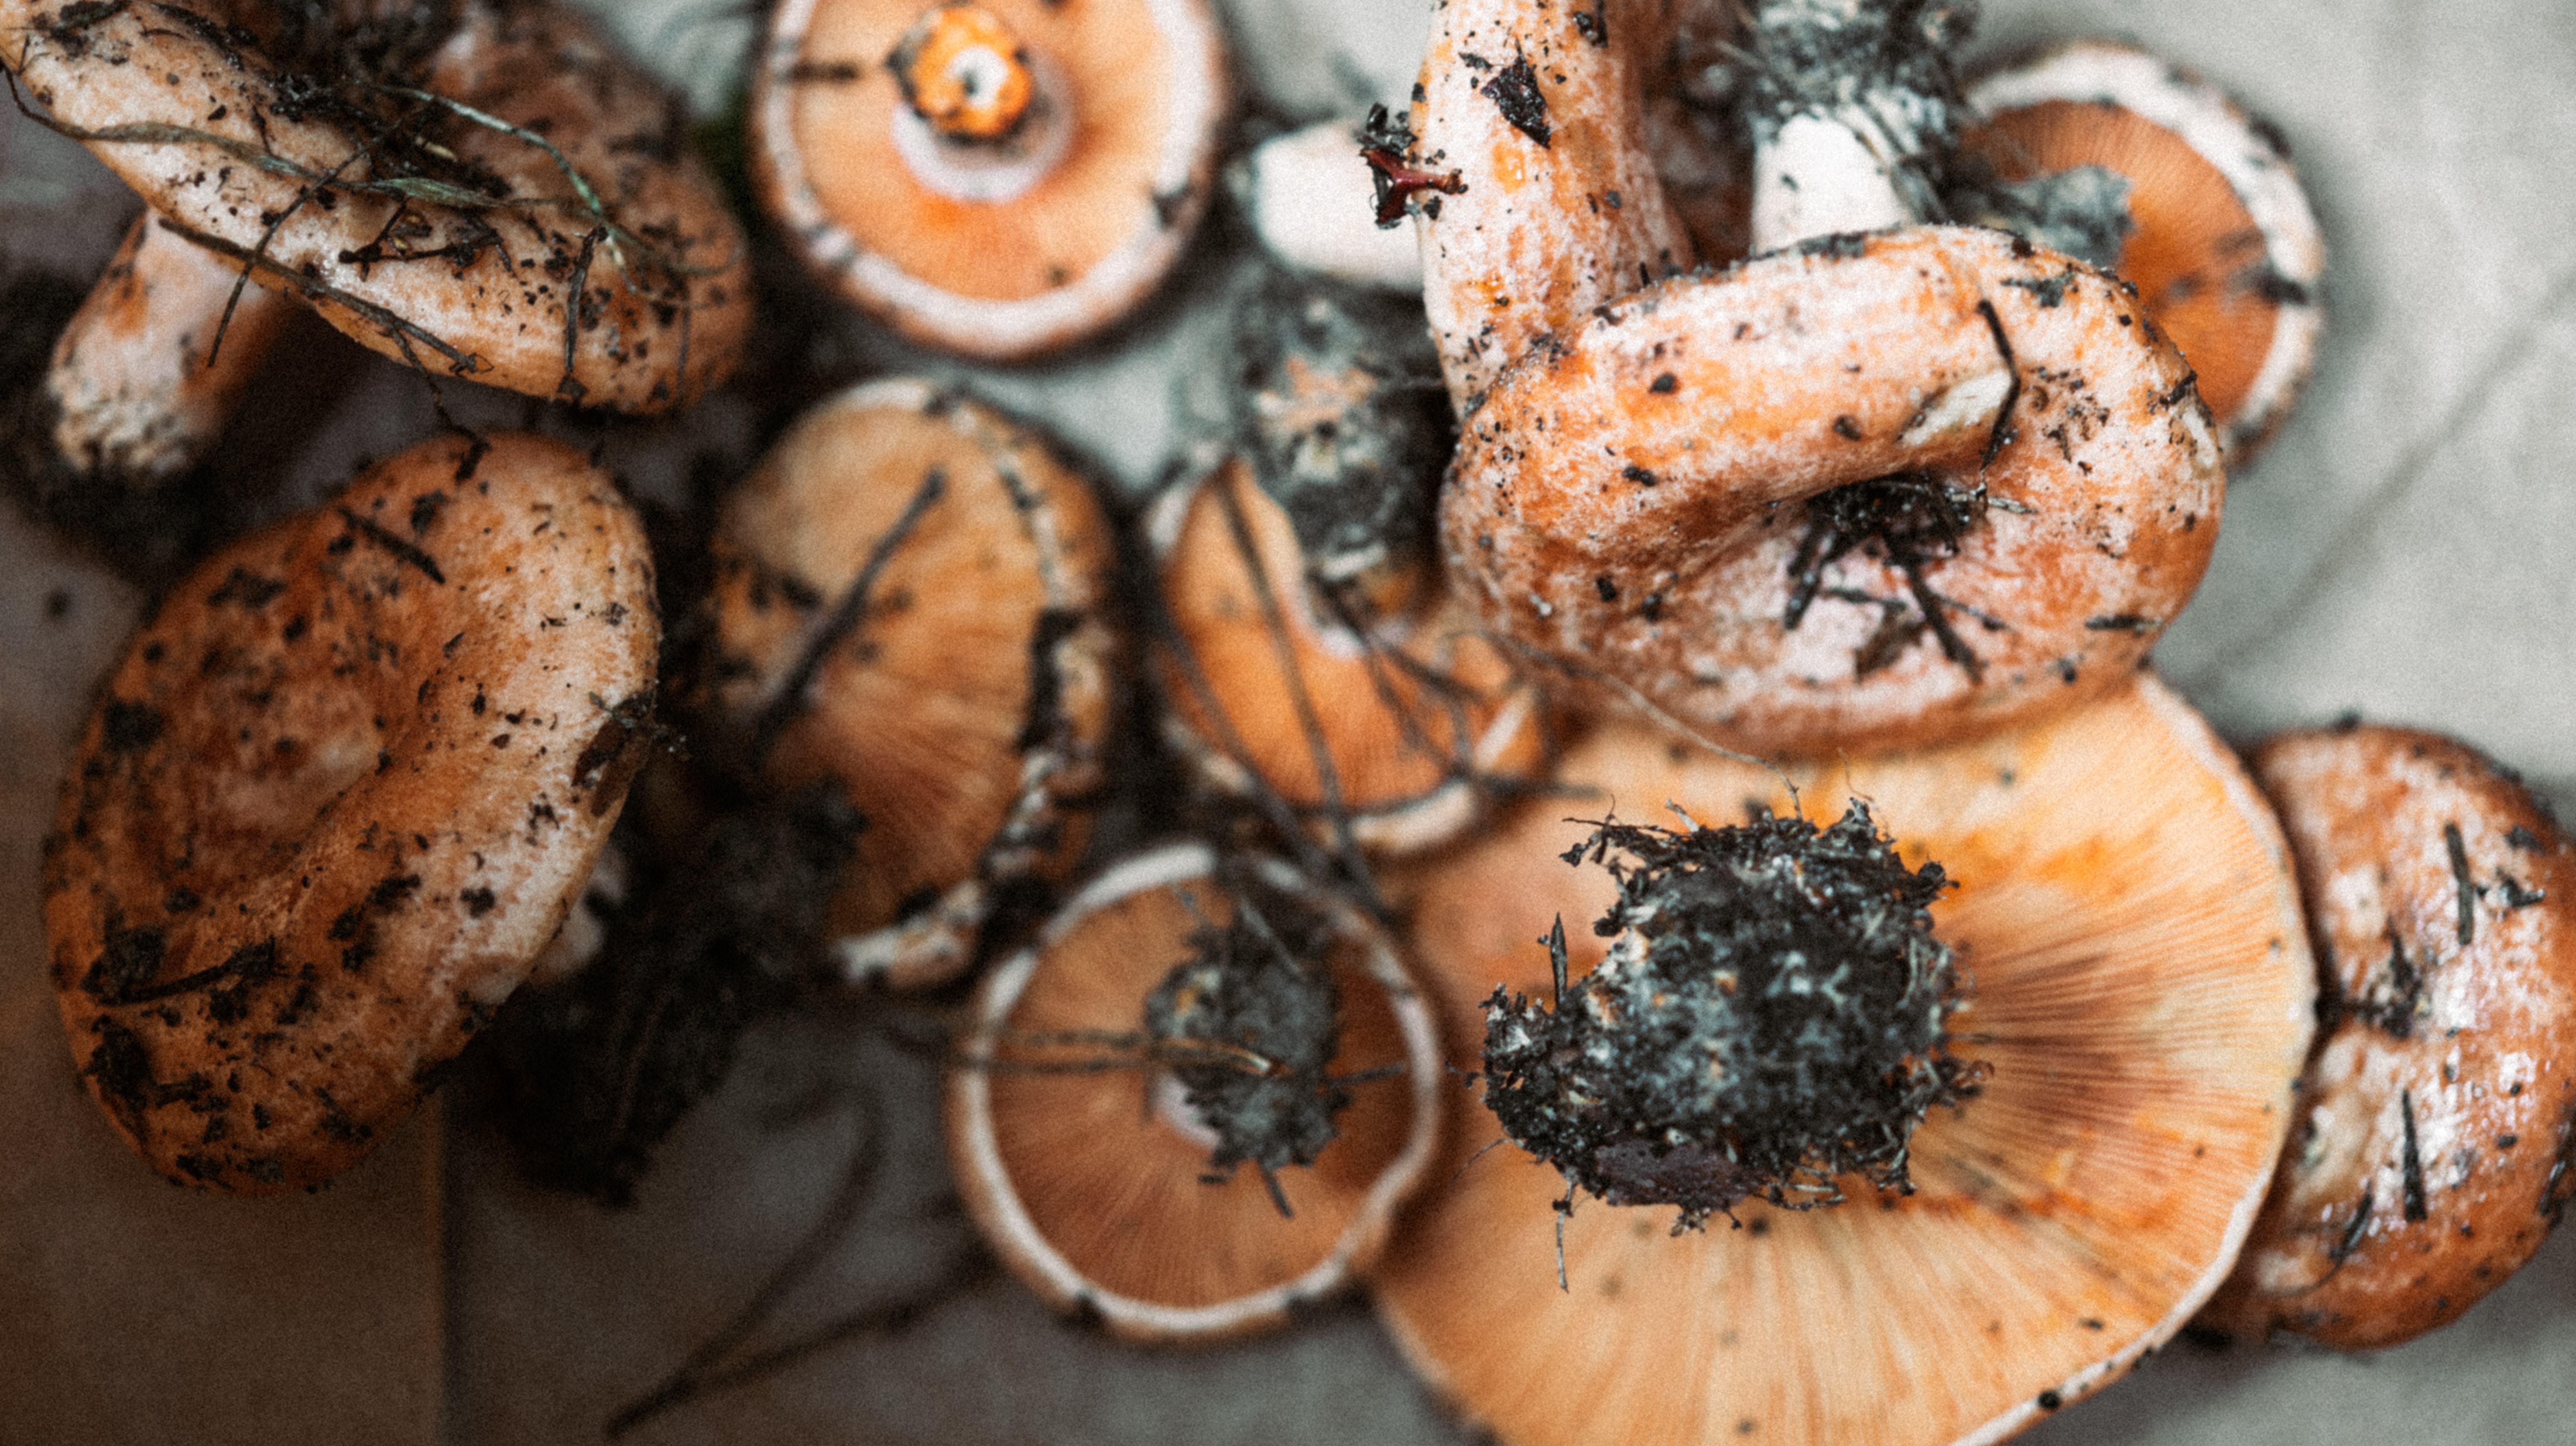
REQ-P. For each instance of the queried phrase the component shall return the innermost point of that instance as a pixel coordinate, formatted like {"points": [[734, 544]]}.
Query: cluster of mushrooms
{"points": [[1666, 829]]}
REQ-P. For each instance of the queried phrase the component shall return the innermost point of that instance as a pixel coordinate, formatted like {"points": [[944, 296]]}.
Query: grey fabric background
{"points": [[2407, 548]]}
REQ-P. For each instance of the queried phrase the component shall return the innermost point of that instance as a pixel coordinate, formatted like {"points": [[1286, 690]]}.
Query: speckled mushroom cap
{"points": [[1021, 255], [911, 598], [1094, 1184], [1539, 110], [341, 791], [1396, 723], [2138, 989], [2225, 250], [1644, 499], [2430, 1155], [546, 166]]}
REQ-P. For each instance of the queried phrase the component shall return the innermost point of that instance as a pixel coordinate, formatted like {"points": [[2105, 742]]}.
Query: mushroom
{"points": [[910, 599], [994, 179], [2137, 1004], [1182, 1018], [2429, 1156], [1876, 492], [1540, 199], [343, 788], [488, 190], [1308, 193], [146, 375], [2224, 250], [1310, 652]]}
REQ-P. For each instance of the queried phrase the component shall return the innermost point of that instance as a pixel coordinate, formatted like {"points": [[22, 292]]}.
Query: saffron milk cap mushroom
{"points": [[2224, 248], [344, 787], [2136, 1005], [1531, 126], [487, 190], [997, 179], [910, 598], [1867, 493], [1178, 1022], [2437, 1120]]}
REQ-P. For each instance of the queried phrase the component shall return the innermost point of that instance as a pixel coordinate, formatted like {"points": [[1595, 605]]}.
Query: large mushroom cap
{"points": [[341, 791], [2431, 1153], [479, 188], [910, 599], [1875, 492], [1095, 1182], [1002, 245], [2137, 991], [2225, 252]]}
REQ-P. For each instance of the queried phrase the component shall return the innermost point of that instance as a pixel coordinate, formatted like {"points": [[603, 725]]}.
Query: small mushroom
{"points": [[1308, 196], [994, 179], [338, 796], [1397, 724], [2224, 249], [2137, 997], [1310, 652], [487, 190], [2429, 1157], [910, 599], [1869, 493], [1180, 1020]]}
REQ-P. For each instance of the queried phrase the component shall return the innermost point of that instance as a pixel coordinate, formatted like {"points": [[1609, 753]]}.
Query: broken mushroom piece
{"points": [[2223, 247], [1873, 493], [1308, 195], [486, 190], [1194, 1104], [1850, 104], [911, 599], [993, 179], [2429, 1156], [2137, 997], [340, 793]]}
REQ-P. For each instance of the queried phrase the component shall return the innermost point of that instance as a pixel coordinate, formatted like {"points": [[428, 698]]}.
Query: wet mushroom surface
{"points": [[2372, 561]]}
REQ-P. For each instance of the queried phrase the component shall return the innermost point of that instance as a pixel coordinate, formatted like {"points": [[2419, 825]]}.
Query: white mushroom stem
{"points": [[148, 372], [1844, 97]]}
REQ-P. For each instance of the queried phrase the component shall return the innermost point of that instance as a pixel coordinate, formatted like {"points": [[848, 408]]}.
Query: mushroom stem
{"points": [[1845, 98], [148, 372]]}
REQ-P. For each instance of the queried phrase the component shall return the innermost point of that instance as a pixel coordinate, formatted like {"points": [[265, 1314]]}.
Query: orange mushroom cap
{"points": [[910, 599], [2223, 248], [2137, 991], [1870, 493], [505, 199], [966, 226], [340, 793], [1397, 722], [1093, 1180], [2438, 1116]]}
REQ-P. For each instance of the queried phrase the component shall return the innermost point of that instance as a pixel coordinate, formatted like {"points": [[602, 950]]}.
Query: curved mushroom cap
{"points": [[996, 248], [337, 797], [2437, 1119], [2224, 249], [2138, 990], [910, 598], [1094, 1183], [1540, 112], [1394, 723], [1666, 498], [445, 213]]}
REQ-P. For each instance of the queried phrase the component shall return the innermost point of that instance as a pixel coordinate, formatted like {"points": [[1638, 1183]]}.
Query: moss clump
{"points": [[1770, 1019], [1249, 1028]]}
